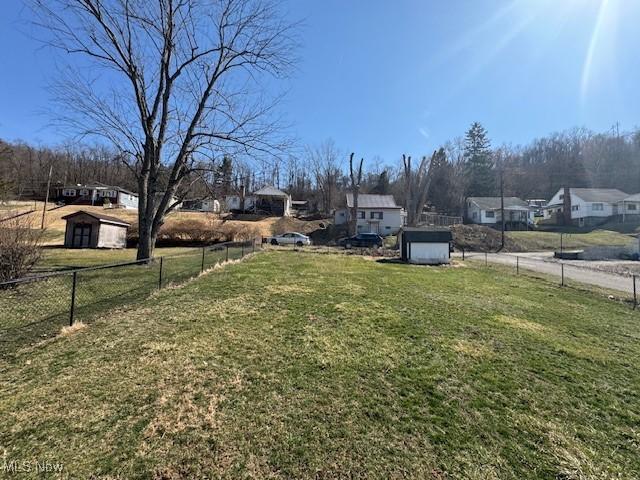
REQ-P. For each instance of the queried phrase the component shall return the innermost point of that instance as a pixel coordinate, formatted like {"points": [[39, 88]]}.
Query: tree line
{"points": [[467, 166]]}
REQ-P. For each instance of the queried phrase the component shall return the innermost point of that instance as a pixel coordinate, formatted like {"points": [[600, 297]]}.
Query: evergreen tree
{"points": [[382, 185], [480, 177]]}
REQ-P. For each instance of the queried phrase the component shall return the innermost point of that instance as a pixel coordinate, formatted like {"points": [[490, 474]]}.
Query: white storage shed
{"points": [[425, 246]]}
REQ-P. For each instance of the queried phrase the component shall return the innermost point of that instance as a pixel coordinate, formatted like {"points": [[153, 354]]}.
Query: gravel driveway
{"points": [[579, 271]]}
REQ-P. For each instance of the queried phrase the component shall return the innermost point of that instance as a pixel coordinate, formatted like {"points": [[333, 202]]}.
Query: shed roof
{"points": [[494, 203], [270, 191], [367, 200], [100, 217], [426, 235]]}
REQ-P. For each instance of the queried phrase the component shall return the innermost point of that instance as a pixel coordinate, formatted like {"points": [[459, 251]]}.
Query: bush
{"points": [[19, 247]]}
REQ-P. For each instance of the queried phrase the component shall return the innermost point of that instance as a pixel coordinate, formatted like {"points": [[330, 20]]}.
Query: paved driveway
{"points": [[542, 262]]}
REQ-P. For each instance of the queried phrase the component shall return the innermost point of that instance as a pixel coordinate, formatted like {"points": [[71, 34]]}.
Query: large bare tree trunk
{"points": [[356, 180], [183, 85], [417, 186]]}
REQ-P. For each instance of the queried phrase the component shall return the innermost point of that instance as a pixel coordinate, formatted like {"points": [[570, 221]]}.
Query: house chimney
{"points": [[566, 207]]}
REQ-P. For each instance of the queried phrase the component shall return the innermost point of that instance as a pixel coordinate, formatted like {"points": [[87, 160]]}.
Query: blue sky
{"points": [[386, 78]]}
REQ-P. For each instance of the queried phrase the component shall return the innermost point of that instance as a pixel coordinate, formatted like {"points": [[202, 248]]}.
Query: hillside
{"points": [[356, 369]]}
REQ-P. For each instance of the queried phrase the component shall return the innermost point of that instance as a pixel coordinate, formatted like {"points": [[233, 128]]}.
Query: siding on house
{"points": [[376, 214], [588, 205]]}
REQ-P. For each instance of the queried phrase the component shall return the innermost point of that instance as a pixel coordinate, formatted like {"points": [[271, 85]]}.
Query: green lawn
{"points": [[58, 257], [301, 365], [533, 241]]}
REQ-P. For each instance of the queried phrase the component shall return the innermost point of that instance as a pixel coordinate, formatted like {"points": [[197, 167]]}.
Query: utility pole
{"points": [[502, 206], [46, 198]]}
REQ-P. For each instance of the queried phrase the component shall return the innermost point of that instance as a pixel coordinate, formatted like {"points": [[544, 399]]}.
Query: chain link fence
{"points": [[35, 308], [565, 273]]}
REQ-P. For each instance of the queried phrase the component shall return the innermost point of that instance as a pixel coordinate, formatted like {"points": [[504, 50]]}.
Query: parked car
{"points": [[367, 240], [290, 238]]}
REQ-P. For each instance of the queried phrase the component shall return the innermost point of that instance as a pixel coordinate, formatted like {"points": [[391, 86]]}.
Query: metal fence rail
{"points": [[35, 308]]}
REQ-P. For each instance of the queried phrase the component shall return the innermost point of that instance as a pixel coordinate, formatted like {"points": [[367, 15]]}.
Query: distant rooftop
{"points": [[98, 216], [366, 200], [494, 203], [270, 191]]}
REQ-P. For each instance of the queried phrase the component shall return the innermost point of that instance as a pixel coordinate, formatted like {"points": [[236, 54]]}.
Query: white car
{"points": [[290, 238]]}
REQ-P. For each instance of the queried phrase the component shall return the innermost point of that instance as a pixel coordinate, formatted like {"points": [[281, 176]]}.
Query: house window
{"points": [[84, 192], [561, 197], [375, 215], [342, 214], [474, 215], [108, 193], [575, 208], [631, 206], [597, 207], [69, 192], [490, 214], [361, 214]]}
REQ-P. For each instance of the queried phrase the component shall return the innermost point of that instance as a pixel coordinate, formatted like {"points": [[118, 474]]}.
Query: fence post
{"points": [[517, 265], [73, 298], [463, 254], [562, 274], [253, 245], [635, 295], [227, 248], [202, 264], [486, 259], [242, 250], [160, 276]]}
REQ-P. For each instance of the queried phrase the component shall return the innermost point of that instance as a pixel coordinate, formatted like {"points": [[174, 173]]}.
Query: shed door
{"points": [[81, 235]]}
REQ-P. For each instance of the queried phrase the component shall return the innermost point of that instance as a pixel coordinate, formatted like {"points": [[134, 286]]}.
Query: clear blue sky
{"points": [[386, 77]]}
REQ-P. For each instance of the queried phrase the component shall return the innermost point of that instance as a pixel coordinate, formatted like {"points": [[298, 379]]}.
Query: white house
{"points": [[425, 246], [96, 194], [629, 208], [589, 206], [488, 211], [268, 200], [376, 214]]}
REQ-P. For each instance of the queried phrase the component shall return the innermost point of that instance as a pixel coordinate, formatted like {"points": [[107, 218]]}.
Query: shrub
{"points": [[19, 247]]}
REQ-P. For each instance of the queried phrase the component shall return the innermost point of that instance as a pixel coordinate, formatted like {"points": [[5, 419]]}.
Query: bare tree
{"points": [[324, 162], [356, 180], [417, 184], [180, 81]]}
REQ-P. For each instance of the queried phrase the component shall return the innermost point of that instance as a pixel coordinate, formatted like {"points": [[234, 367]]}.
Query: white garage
{"points": [[425, 246]]}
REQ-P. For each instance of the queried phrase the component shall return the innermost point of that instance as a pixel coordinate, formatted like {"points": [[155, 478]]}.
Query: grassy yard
{"points": [[54, 258], [300, 365], [534, 241]]}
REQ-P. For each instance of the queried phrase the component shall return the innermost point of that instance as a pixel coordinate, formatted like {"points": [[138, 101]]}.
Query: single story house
{"points": [[201, 205], [629, 208], [94, 230], [587, 206], [96, 194], [488, 211], [376, 214], [269, 200], [425, 246]]}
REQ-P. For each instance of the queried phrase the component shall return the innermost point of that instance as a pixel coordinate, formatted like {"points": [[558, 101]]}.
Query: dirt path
{"points": [[537, 263]]}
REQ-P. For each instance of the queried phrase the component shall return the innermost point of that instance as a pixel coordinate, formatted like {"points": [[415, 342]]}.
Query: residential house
{"points": [[201, 205], [587, 206], [94, 230], [488, 211], [629, 208], [376, 213], [269, 200], [96, 194], [425, 246]]}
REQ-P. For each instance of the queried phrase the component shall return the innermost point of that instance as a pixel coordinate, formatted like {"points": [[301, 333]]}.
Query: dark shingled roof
{"points": [[270, 191], [493, 203], [426, 235], [366, 200], [98, 216]]}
